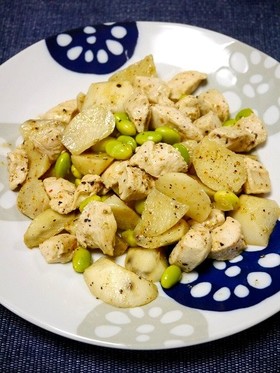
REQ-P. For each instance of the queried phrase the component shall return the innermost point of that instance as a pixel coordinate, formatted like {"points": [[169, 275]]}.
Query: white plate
{"points": [[227, 298]]}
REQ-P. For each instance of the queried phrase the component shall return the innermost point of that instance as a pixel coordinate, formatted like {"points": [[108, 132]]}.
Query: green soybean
{"points": [[145, 136], [226, 200], [126, 127], [62, 165], [139, 206], [169, 135], [89, 199], [129, 237], [118, 150], [183, 151], [229, 123], [81, 259], [100, 146], [120, 115], [244, 113], [75, 172], [128, 140], [171, 276]]}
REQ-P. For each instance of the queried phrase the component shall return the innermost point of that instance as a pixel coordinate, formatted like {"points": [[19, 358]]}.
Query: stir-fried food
{"points": [[149, 171]]}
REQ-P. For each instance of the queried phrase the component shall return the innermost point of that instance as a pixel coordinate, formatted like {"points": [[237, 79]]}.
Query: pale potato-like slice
{"points": [[257, 217], [125, 216], [38, 163], [45, 225], [161, 212], [144, 67], [218, 167], [188, 191], [87, 128], [32, 198], [112, 95], [172, 235], [91, 163], [146, 263], [117, 286]]}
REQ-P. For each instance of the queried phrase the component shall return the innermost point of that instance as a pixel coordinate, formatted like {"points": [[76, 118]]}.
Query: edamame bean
{"points": [[75, 172], [142, 137], [226, 200], [171, 276], [244, 113], [120, 115], [89, 199], [183, 151], [62, 165], [128, 140], [129, 237], [81, 259], [100, 146], [119, 150], [169, 135], [139, 206], [126, 127], [229, 123]]}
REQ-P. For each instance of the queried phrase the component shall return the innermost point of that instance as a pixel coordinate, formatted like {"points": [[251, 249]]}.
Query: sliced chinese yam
{"points": [[91, 163], [125, 216], [115, 285]]}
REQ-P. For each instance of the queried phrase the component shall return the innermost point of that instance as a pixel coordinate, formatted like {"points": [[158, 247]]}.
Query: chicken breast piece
{"points": [[158, 159], [185, 83], [163, 115], [61, 194], [227, 240], [59, 248], [113, 173], [192, 249], [17, 167], [215, 219], [213, 100], [96, 227], [154, 88], [189, 106], [62, 112], [89, 185], [208, 122], [235, 139], [258, 180], [255, 126], [137, 108]]}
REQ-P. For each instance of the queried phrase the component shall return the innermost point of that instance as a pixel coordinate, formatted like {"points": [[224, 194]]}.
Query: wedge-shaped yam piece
{"points": [[169, 237], [32, 198], [257, 217], [117, 286], [44, 226], [112, 95], [145, 67], [146, 263], [161, 212], [218, 167], [87, 128], [90, 163], [125, 216], [188, 191], [38, 163]]}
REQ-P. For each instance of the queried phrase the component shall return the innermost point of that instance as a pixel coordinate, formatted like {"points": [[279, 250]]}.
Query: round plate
{"points": [[219, 299]]}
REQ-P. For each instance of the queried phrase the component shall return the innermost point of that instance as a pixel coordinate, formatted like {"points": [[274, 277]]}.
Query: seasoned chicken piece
{"points": [[208, 122], [96, 227], [158, 159], [46, 135], [137, 108], [215, 219], [89, 185], [17, 167], [213, 100], [134, 184], [185, 83], [61, 193], [62, 112], [163, 115], [192, 249], [235, 139], [189, 106], [59, 248], [227, 240], [258, 180], [154, 88], [255, 126], [113, 173]]}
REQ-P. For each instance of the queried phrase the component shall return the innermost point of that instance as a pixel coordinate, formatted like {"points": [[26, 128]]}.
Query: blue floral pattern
{"points": [[99, 49], [239, 283]]}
